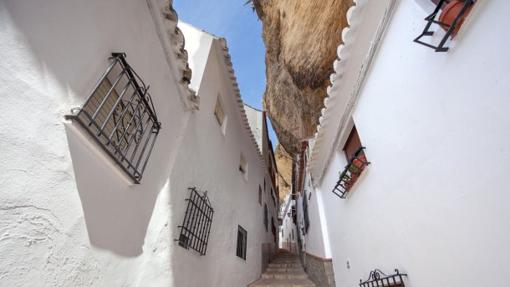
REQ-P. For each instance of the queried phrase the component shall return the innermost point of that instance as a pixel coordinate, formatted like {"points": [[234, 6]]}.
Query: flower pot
{"points": [[450, 12]]}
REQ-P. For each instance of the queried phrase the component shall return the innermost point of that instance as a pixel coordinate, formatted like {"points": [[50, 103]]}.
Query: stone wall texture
{"points": [[320, 270]]}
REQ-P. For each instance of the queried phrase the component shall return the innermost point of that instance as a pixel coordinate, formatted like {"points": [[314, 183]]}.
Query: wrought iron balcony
{"points": [[120, 116], [377, 278], [351, 173], [451, 27], [196, 224]]}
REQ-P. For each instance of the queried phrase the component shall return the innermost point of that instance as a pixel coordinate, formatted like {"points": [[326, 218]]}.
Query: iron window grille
{"points": [[305, 212], [242, 239], [266, 219], [377, 278], [120, 116], [450, 28], [196, 225], [351, 173]]}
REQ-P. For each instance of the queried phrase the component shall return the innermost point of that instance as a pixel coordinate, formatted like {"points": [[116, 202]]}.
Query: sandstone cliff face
{"points": [[301, 39], [284, 165]]}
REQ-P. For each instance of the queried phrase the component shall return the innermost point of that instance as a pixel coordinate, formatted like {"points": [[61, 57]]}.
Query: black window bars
{"points": [[266, 219], [377, 278], [306, 217], [120, 117], [242, 240], [196, 224], [450, 28], [351, 173]]}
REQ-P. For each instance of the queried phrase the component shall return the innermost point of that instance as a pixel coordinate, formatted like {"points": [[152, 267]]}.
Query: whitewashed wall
{"points": [[66, 216], [437, 131], [287, 235], [209, 160]]}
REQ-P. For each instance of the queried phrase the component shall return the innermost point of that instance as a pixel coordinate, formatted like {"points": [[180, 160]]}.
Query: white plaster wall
{"points": [[316, 237], [287, 228], [66, 217], [209, 160], [437, 131]]}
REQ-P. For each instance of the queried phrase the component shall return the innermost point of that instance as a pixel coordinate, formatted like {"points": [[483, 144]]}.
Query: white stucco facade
{"points": [[431, 123], [288, 235], [68, 215]]}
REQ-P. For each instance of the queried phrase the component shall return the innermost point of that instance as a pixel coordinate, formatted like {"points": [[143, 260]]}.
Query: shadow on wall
{"points": [[117, 214]]}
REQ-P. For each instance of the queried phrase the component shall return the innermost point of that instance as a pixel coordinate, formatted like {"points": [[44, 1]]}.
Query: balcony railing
{"points": [[450, 28], [377, 278], [351, 173], [120, 116]]}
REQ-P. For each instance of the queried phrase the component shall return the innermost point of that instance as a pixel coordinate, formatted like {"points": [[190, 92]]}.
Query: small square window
{"points": [[218, 112], [265, 216], [242, 239], [243, 166], [260, 195]]}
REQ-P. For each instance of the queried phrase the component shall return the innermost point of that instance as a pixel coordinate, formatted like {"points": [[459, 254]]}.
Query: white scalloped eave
{"points": [[237, 93], [338, 70]]}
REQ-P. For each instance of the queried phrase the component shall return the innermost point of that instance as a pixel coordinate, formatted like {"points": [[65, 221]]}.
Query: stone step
{"points": [[286, 275], [271, 282], [284, 269], [282, 265]]}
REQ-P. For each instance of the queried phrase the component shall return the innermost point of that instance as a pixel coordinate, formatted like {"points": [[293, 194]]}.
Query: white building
{"points": [[436, 131], [100, 196], [288, 237]]}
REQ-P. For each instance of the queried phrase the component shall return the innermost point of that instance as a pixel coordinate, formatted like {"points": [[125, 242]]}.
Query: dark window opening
{"points": [[197, 221], [265, 217], [260, 195], [120, 116], [242, 239], [305, 212]]}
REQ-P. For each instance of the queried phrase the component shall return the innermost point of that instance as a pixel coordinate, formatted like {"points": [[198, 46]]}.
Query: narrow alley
{"points": [[259, 143], [284, 270]]}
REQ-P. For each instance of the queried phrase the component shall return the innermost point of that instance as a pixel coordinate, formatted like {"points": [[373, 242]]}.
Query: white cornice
{"points": [[231, 75], [350, 71]]}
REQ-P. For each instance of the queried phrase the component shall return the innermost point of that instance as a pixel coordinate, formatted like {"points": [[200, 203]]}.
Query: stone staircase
{"points": [[285, 270]]}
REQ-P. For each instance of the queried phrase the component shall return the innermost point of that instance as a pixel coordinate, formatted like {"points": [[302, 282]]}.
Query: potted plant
{"points": [[450, 12]]}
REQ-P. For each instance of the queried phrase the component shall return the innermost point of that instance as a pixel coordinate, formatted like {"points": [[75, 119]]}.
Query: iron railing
{"points": [[197, 221], [377, 278], [351, 173], [120, 116], [450, 28]]}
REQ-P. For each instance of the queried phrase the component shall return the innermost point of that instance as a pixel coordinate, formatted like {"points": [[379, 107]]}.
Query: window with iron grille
{"points": [[197, 221], [356, 163], [449, 15], [260, 195], [305, 211], [377, 278], [265, 216], [242, 240], [120, 116]]}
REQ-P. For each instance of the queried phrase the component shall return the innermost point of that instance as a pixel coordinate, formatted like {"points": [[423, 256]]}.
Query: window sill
{"points": [[76, 133]]}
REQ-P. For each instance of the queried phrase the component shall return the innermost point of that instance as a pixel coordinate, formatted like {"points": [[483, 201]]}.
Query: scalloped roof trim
{"points": [[343, 53], [235, 86]]}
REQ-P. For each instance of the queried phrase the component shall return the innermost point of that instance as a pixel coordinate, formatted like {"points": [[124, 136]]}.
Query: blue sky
{"points": [[239, 24]]}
